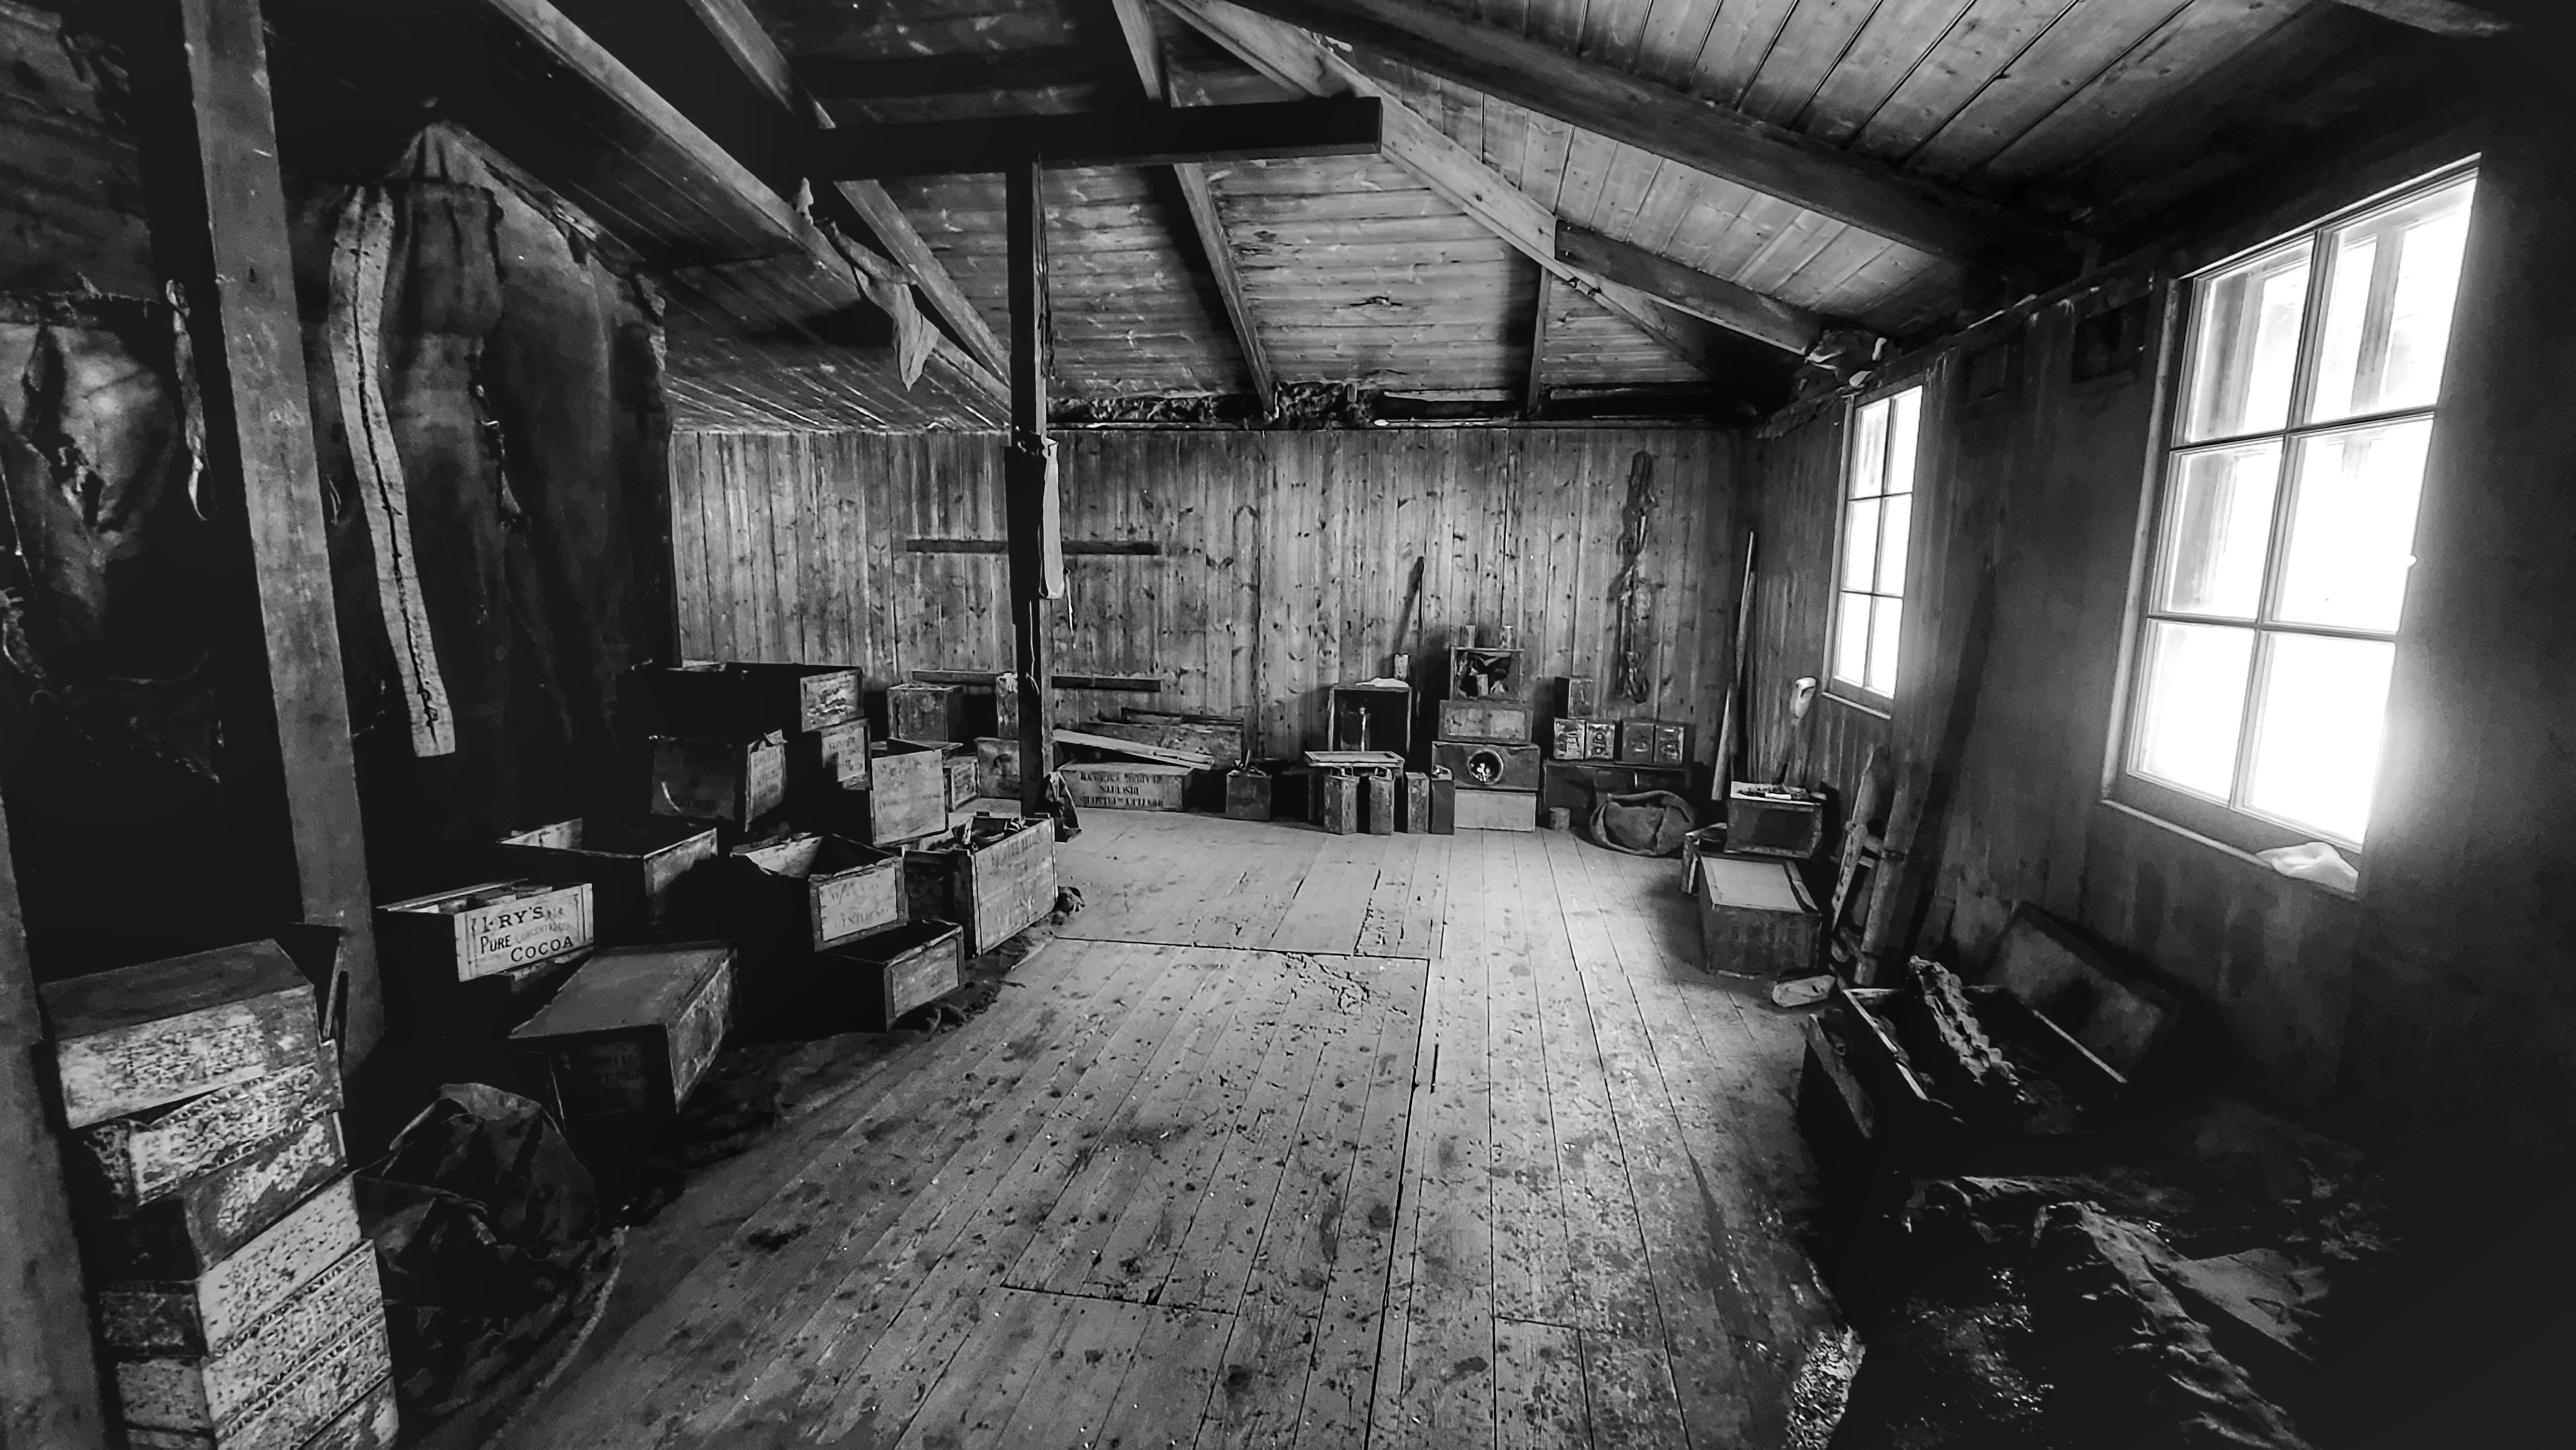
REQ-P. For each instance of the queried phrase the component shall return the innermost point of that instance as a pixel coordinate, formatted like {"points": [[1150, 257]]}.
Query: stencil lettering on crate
{"points": [[215, 1389], [215, 1309], [859, 901], [519, 933], [139, 1158]]}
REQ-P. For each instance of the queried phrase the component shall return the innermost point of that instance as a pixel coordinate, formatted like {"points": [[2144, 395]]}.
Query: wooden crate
{"points": [[125, 1163], [217, 1390], [694, 697], [1488, 673], [633, 864], [738, 782], [1337, 802], [430, 944], [1417, 802], [1586, 739], [817, 891], [926, 714], [299, 1407], [997, 768], [1765, 820], [1444, 802], [144, 1036], [205, 1220], [890, 974], [1755, 918], [635, 1028], [1497, 810], [1485, 765], [796, 699], [1247, 794], [1127, 786], [834, 756], [200, 1313], [1582, 695], [1507, 722], [965, 783], [907, 794], [994, 876], [372, 1422]]}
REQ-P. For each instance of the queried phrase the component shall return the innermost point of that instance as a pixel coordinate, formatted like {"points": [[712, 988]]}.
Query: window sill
{"points": [[2224, 849], [1848, 703]]}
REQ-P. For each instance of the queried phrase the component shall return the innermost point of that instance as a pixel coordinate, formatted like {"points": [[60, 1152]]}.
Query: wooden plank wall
{"points": [[1286, 557]]}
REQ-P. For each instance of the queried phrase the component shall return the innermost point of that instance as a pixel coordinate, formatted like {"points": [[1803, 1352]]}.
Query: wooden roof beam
{"points": [[1730, 305], [1534, 392], [1136, 28], [2449, 18], [758, 57], [1773, 160], [1297, 60], [1146, 136], [844, 78]]}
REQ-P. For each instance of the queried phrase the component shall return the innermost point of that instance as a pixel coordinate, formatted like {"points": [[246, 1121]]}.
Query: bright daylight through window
{"points": [[2287, 518], [1878, 515]]}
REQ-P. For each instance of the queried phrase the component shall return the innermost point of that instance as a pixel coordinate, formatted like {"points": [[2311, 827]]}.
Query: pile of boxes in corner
{"points": [[780, 866], [1489, 726], [236, 1299]]}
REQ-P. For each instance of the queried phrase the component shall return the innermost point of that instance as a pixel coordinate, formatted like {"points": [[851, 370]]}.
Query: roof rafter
{"points": [[1297, 60], [739, 34], [1145, 136], [1773, 160], [1136, 29], [2440, 17]]}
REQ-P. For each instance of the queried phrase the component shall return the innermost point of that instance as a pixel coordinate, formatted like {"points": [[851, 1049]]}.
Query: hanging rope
{"points": [[1635, 514]]}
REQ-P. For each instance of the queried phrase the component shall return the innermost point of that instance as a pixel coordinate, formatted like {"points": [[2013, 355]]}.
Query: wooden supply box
{"points": [[994, 876], [1487, 766], [203, 1221], [1378, 791], [1247, 794], [693, 697], [1654, 742], [997, 768], [964, 780], [197, 1313], [832, 757], [635, 1028], [126, 1163], [1506, 722], [798, 699], [1582, 695], [1755, 918], [1586, 739], [433, 946], [141, 1037], [737, 782], [1444, 802], [1125, 786], [926, 714], [1370, 717], [1417, 803], [306, 1363], [1497, 810], [1770, 820], [907, 794], [813, 891], [890, 974], [1487, 674], [634, 866], [1337, 802]]}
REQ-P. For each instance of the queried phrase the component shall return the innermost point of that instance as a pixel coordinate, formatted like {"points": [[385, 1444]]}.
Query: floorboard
{"points": [[1294, 1140]]}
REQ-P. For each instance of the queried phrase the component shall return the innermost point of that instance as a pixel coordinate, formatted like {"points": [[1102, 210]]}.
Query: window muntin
{"points": [[2285, 526], [1877, 530]]}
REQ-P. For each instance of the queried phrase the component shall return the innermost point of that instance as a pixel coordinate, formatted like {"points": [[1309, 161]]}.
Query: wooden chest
{"points": [[817, 891], [205, 1220], [213, 1309], [1755, 918], [632, 864], [1508, 722], [1488, 766], [282, 1378], [1247, 795], [430, 945], [125, 1163], [797, 699], [635, 1028], [737, 782], [1587, 739], [1127, 786], [888, 975], [926, 714], [143, 1036], [1765, 820], [1497, 810], [907, 794], [994, 876]]}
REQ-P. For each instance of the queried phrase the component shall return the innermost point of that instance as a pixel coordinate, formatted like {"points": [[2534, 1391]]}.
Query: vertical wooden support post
{"points": [[250, 361], [49, 1392], [1031, 513]]}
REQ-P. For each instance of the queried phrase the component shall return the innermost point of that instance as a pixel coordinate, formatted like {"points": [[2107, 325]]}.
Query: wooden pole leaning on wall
{"points": [[1032, 515], [250, 361], [49, 1385]]}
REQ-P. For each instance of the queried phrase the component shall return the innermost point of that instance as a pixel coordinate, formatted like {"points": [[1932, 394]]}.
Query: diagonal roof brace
{"points": [[1145, 136]]}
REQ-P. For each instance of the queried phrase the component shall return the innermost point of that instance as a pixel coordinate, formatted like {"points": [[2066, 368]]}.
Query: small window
{"points": [[1878, 518], [2285, 524]]}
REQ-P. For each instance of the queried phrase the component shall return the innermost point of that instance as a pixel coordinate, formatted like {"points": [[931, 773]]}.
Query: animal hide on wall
{"points": [[486, 399]]}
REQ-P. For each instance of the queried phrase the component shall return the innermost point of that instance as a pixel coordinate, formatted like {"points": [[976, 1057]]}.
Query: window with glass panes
{"points": [[1878, 517], [2286, 522]]}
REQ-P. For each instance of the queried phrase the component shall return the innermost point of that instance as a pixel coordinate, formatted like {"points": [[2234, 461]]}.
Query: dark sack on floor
{"points": [[1649, 823]]}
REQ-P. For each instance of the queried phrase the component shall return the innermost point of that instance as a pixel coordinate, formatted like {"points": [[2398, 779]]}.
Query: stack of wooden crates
{"points": [[237, 1301], [1488, 723]]}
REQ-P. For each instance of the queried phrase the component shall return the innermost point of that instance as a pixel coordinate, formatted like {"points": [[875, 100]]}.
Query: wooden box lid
{"points": [[629, 987], [156, 991]]}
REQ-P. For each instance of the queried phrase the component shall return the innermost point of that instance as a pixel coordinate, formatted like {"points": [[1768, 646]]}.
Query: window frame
{"points": [[1857, 692], [2229, 822]]}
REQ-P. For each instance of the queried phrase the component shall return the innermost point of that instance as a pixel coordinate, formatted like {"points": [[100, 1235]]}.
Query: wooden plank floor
{"points": [[1289, 1140]]}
